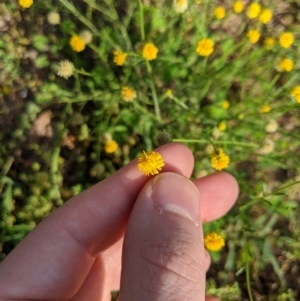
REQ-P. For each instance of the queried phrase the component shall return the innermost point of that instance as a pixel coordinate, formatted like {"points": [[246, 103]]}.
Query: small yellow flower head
{"points": [[238, 6], [149, 51], [53, 18], [286, 39], [265, 109], [86, 36], [220, 12], [169, 93], [65, 69], [214, 242], [77, 43], [222, 126], [180, 6], [253, 36], [265, 16], [25, 3], [119, 57], [128, 94], [110, 146], [219, 160], [269, 43], [253, 10], [205, 47], [296, 93], [150, 163], [226, 104], [286, 65]]}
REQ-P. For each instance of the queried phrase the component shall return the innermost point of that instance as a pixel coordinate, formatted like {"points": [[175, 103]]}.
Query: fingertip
{"points": [[218, 193], [178, 158]]}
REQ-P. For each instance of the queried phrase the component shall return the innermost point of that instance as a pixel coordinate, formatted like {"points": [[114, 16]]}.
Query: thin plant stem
{"points": [[153, 92], [248, 279], [228, 142], [142, 25]]}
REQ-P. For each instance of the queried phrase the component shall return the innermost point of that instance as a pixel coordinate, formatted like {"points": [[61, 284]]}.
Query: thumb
{"points": [[163, 252]]}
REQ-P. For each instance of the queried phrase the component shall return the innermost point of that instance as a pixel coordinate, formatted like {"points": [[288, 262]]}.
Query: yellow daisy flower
{"points": [[253, 36], [286, 39], [25, 3], [149, 51], [265, 16], [265, 109], [222, 126], [150, 163], [269, 43], [296, 93], [205, 47], [214, 242], [220, 12], [119, 57], [219, 160], [238, 6], [286, 65], [128, 94], [77, 43], [226, 104], [111, 146], [253, 10]]}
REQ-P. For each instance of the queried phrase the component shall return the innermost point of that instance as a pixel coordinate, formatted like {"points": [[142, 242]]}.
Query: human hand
{"points": [[75, 253]]}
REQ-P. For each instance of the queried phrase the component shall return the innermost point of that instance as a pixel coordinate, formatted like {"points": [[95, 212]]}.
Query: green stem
{"points": [[78, 15], [142, 25], [248, 279], [216, 142], [281, 188], [153, 92]]}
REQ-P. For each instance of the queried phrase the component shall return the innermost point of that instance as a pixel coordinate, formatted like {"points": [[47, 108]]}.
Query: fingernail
{"points": [[176, 194]]}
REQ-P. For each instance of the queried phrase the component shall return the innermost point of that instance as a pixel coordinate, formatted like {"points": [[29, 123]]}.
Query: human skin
{"points": [[75, 253]]}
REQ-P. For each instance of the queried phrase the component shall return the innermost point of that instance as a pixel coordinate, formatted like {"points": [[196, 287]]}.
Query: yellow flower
{"points": [[25, 3], [110, 146], [265, 109], [220, 12], [77, 43], [238, 6], [286, 39], [65, 69], [149, 51], [286, 65], [253, 10], [269, 43], [150, 163], [253, 36], [169, 93], [226, 104], [296, 93], [180, 6], [222, 126], [119, 57], [265, 16], [53, 18], [205, 47], [220, 160], [128, 94], [214, 241]]}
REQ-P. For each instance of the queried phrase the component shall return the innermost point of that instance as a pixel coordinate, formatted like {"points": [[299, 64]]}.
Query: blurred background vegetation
{"points": [[56, 127]]}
